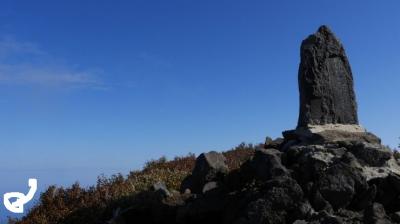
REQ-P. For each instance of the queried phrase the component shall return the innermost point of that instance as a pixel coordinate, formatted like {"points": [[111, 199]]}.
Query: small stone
{"points": [[375, 214], [274, 144], [288, 144], [306, 210], [209, 186], [161, 189], [300, 222]]}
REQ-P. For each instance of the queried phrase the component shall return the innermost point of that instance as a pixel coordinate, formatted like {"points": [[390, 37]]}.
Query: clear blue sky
{"points": [[90, 87]]}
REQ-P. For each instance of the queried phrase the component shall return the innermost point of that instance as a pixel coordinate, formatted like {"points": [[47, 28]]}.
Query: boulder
{"points": [[365, 199], [210, 186], [160, 189], [274, 144], [202, 210], [280, 202], [388, 193], [371, 154], [265, 164], [338, 185], [208, 167], [308, 161], [319, 203]]}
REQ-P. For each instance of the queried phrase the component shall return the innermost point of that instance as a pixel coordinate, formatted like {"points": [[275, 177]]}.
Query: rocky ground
{"points": [[326, 177]]}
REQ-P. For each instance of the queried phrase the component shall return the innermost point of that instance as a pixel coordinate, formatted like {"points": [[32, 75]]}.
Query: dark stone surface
{"points": [[375, 214], [209, 167], [329, 136], [265, 165], [210, 186], [396, 216], [372, 154], [325, 82], [273, 144], [337, 135], [339, 183], [161, 189], [388, 193], [279, 202]]}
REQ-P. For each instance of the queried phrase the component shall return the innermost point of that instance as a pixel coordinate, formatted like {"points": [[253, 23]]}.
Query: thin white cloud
{"points": [[23, 63], [10, 47]]}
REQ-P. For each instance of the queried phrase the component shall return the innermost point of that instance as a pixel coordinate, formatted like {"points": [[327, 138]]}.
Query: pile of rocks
{"points": [[328, 170]]}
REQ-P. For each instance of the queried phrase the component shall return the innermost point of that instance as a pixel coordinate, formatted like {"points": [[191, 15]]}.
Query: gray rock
{"points": [[210, 186], [365, 199], [306, 210], [372, 154], [326, 218], [395, 181], [201, 210], [283, 193], [375, 214], [320, 204], [396, 216], [209, 167], [288, 144], [337, 135], [300, 222], [330, 133], [339, 183], [274, 144], [307, 161], [161, 189], [267, 164], [325, 82]]}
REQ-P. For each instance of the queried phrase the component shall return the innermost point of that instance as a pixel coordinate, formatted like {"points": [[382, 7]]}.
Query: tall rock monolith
{"points": [[325, 82]]}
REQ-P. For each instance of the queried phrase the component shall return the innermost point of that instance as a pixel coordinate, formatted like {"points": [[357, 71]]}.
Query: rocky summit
{"points": [[328, 170]]}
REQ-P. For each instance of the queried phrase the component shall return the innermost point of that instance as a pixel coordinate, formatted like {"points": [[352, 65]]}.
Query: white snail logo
{"points": [[21, 199]]}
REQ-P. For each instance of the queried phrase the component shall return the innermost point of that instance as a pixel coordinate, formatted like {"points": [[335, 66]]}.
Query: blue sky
{"points": [[90, 87]]}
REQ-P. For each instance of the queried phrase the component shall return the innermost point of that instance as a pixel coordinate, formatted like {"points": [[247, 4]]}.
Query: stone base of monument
{"points": [[331, 133], [376, 159]]}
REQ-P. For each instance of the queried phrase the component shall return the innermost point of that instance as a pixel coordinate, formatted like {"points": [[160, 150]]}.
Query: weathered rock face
{"points": [[210, 167], [325, 82]]}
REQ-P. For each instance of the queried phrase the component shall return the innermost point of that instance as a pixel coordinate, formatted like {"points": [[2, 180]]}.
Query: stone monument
{"points": [[328, 107], [325, 82]]}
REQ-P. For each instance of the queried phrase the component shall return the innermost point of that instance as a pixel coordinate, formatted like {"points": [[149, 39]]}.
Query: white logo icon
{"points": [[18, 205]]}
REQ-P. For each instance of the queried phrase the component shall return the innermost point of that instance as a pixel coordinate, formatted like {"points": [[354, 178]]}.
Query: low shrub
{"points": [[94, 204]]}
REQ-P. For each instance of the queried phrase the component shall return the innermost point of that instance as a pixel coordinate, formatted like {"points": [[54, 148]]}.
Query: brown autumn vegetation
{"points": [[95, 204]]}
